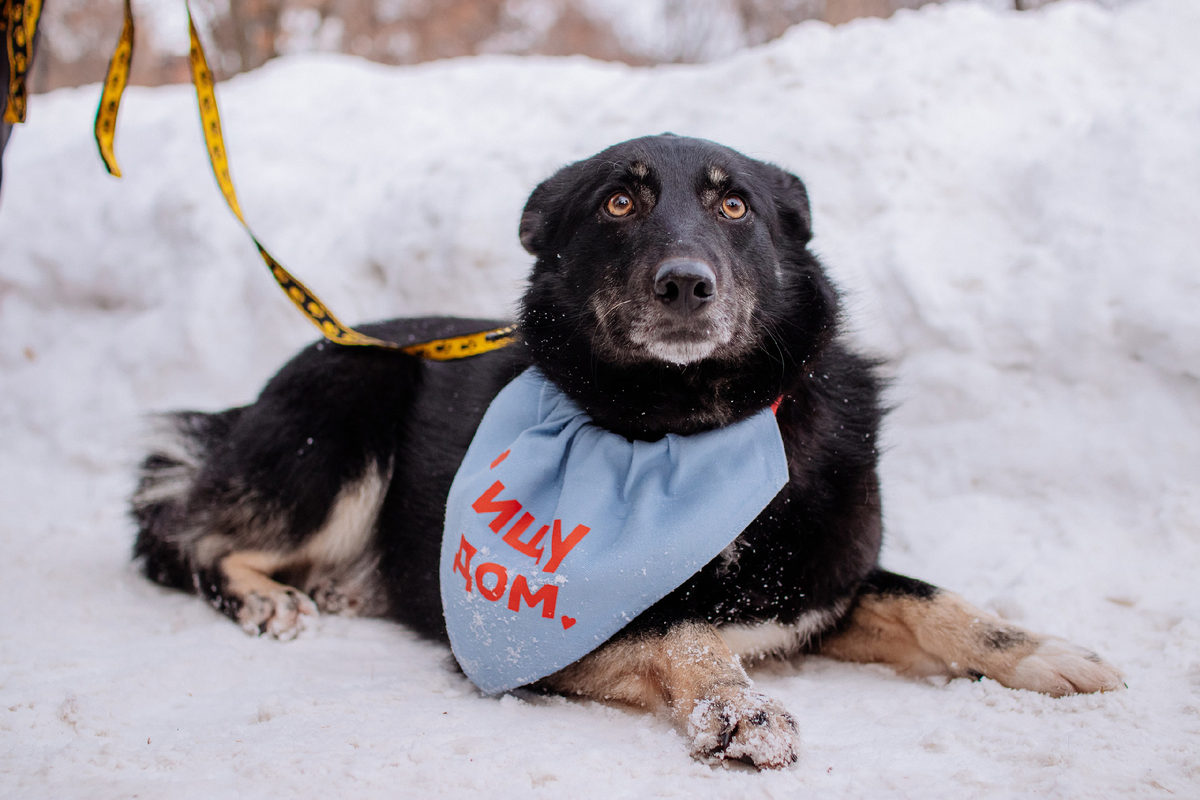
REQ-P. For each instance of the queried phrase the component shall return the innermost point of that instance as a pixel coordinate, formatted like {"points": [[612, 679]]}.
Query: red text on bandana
{"points": [[491, 579]]}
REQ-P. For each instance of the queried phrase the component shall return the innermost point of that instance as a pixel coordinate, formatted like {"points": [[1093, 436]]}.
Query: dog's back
{"points": [[342, 441]]}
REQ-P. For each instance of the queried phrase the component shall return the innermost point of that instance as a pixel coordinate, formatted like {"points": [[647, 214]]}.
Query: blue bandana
{"points": [[558, 532]]}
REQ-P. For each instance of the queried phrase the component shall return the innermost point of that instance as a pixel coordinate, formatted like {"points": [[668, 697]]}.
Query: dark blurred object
{"points": [[13, 18], [244, 34], [5, 128], [5, 72]]}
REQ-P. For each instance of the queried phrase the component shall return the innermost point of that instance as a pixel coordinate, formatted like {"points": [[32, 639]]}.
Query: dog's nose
{"points": [[683, 285]]}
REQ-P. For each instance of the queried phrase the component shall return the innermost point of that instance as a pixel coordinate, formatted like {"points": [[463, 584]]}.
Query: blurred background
{"points": [[78, 35]]}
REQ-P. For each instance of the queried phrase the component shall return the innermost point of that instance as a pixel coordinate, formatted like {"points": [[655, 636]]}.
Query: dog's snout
{"points": [[684, 286]]}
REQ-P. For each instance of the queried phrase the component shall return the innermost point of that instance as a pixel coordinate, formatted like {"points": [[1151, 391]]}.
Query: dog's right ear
{"points": [[535, 219], [530, 231], [557, 204]]}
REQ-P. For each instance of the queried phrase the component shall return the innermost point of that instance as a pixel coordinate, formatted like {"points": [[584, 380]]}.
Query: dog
{"points": [[673, 292]]}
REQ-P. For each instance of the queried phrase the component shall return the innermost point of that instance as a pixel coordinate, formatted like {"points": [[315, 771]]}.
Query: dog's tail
{"points": [[181, 445]]}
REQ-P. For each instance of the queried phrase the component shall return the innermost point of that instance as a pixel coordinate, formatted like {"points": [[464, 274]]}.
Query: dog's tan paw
{"points": [[283, 614], [744, 726], [1059, 668]]}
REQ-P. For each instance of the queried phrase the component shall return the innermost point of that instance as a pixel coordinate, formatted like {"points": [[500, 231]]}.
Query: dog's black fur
{"points": [[810, 548], [604, 321]]}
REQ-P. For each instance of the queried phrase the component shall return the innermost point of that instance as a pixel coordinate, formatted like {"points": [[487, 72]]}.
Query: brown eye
{"points": [[733, 207], [619, 205]]}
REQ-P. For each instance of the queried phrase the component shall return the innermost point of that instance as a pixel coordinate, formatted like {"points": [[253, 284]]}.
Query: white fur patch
{"points": [[347, 531], [776, 639], [680, 352], [165, 439]]}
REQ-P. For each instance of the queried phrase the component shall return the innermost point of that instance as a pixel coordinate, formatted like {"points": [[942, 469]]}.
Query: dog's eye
{"points": [[733, 206], [619, 205]]}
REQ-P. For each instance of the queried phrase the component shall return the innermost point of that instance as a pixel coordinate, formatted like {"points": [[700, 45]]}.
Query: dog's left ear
{"points": [[791, 202]]}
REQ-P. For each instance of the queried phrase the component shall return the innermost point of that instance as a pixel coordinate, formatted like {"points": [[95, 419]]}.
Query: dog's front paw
{"points": [[745, 726], [283, 614], [1058, 668]]}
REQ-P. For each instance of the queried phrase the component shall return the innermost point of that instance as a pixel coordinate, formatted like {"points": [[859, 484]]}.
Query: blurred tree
{"points": [[244, 34], [249, 30], [78, 37]]}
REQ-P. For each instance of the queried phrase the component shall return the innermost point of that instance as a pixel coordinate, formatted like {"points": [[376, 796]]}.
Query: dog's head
{"points": [[673, 289]]}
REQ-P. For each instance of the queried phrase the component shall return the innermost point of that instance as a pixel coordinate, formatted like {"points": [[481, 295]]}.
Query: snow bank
{"points": [[1010, 201]]}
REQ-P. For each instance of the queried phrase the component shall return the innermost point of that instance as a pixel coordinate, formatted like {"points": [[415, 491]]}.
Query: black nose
{"points": [[683, 285]]}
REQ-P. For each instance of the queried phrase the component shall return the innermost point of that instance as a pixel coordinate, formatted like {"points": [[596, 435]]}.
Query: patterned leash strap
{"points": [[19, 23], [304, 299], [110, 98]]}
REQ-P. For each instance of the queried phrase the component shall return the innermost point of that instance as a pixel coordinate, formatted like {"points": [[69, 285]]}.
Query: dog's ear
{"points": [[791, 203], [531, 230], [535, 219], [818, 299]]}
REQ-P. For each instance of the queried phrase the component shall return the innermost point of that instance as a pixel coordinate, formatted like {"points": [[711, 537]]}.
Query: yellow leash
{"points": [[110, 99], [320, 315], [19, 25]]}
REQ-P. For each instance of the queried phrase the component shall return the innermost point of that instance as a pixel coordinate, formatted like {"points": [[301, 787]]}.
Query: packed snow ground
{"points": [[1010, 202]]}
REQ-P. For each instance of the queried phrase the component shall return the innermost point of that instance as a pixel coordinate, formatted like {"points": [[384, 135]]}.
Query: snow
{"points": [[1009, 200]]}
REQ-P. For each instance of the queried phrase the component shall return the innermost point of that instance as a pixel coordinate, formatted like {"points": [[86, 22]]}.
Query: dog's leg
{"points": [[689, 670], [336, 563], [258, 603], [920, 629]]}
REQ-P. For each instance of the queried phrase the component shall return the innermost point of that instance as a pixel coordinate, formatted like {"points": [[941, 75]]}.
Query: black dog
{"points": [[673, 293]]}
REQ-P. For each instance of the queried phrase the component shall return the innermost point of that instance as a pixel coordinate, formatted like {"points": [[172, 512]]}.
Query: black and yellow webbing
{"points": [[110, 99], [301, 295], [19, 25]]}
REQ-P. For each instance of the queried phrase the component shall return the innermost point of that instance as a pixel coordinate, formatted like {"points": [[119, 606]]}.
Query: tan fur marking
{"points": [[335, 559], [210, 549], [639, 170], [248, 571], [689, 672], [672, 670], [717, 175], [945, 635]]}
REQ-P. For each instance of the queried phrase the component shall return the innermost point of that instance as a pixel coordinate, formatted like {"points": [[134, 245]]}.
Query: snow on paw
{"points": [[744, 726], [1060, 668], [284, 614]]}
